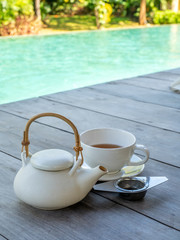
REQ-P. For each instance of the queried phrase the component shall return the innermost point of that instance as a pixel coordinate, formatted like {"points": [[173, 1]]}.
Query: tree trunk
{"points": [[142, 15], [37, 11], [97, 19], [175, 5], [163, 5]]}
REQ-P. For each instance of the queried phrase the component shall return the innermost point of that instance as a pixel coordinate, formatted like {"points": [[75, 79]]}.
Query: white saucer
{"points": [[128, 171]]}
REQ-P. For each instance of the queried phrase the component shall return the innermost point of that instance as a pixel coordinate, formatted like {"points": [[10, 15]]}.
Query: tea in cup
{"points": [[111, 148]]}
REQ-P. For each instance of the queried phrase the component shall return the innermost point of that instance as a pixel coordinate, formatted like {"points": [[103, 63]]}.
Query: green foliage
{"points": [[11, 9], [166, 17], [65, 8], [16, 13], [53, 7], [103, 12], [104, 8], [131, 8]]}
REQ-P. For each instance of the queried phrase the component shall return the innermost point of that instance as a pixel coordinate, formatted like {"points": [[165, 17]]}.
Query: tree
{"points": [[142, 15], [175, 5], [37, 11]]}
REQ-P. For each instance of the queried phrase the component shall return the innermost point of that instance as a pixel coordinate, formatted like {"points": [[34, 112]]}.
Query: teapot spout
{"points": [[88, 177], [100, 171], [97, 172]]}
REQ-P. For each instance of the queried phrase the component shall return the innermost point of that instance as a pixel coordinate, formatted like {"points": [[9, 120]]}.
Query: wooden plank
{"points": [[176, 70], [165, 75], [149, 83], [147, 113], [163, 146], [93, 218], [2, 237], [161, 202], [137, 93], [43, 137]]}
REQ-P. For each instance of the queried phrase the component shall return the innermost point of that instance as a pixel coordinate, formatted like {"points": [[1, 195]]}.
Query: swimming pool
{"points": [[39, 65]]}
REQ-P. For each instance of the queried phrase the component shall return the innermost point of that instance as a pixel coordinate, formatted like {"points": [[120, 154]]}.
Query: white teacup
{"points": [[98, 149]]}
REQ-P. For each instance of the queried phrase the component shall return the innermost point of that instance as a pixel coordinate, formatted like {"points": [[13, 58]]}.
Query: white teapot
{"points": [[53, 178]]}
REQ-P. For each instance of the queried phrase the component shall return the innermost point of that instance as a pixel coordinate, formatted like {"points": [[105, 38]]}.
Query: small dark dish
{"points": [[132, 188]]}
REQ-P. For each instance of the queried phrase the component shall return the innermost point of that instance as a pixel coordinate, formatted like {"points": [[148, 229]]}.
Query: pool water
{"points": [[40, 65]]}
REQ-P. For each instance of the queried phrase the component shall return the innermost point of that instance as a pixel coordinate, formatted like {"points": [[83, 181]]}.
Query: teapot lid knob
{"points": [[52, 160]]}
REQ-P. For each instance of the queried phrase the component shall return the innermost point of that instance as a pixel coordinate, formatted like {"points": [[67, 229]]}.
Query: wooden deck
{"points": [[144, 106]]}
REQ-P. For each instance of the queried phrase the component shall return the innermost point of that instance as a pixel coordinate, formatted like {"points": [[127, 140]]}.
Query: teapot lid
{"points": [[52, 160]]}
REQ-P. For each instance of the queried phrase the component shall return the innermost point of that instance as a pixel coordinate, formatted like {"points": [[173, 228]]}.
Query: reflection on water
{"points": [[39, 65], [174, 38]]}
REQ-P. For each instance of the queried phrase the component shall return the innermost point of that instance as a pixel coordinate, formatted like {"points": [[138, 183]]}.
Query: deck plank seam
{"points": [[146, 124], [138, 86], [36, 121], [4, 236], [69, 132], [19, 159], [152, 159], [167, 225], [158, 78], [90, 111], [172, 71], [134, 85], [160, 161], [116, 95]]}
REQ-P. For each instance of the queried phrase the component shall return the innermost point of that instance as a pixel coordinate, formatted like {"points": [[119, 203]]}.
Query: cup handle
{"points": [[144, 159]]}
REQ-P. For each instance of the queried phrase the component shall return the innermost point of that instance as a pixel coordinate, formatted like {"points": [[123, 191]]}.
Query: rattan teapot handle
{"points": [[26, 142]]}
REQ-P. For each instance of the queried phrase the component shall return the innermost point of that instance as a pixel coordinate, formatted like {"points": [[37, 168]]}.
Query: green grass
{"points": [[121, 22], [86, 22]]}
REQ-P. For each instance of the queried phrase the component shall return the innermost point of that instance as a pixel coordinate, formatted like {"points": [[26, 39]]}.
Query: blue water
{"points": [[39, 65]]}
